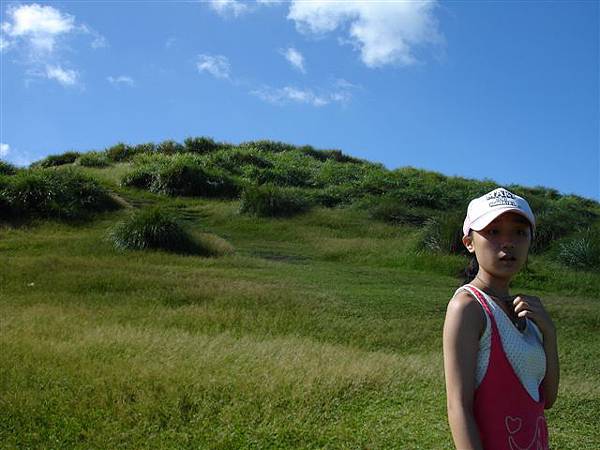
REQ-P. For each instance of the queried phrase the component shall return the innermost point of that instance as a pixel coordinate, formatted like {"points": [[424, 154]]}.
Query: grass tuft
{"points": [[155, 228]]}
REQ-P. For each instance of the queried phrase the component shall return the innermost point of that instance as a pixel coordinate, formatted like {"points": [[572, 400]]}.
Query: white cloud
{"points": [[227, 8], [4, 149], [290, 94], [384, 32], [217, 65], [38, 34], [40, 26], [5, 44], [66, 77], [121, 79], [98, 41], [170, 42], [287, 94], [236, 8], [295, 58]]}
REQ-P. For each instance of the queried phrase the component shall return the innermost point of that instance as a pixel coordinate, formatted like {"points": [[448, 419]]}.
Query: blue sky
{"points": [[505, 90]]}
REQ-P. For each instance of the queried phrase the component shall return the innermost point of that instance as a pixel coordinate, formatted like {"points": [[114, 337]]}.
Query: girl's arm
{"points": [[550, 382], [464, 324]]}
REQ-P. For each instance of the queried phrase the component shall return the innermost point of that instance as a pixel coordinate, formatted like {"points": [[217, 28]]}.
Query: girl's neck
{"points": [[492, 285]]}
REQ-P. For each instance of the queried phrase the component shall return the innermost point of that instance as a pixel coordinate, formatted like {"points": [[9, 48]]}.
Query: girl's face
{"points": [[501, 247]]}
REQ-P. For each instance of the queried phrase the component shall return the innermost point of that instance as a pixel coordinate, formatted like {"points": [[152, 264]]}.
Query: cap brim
{"points": [[481, 222]]}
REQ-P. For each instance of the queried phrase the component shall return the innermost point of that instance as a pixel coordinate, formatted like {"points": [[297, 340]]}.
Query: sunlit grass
{"points": [[320, 331]]}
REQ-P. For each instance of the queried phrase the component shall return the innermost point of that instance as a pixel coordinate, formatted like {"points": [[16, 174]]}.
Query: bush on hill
{"points": [[443, 234], [201, 145], [155, 228], [389, 209], [580, 251], [326, 155], [46, 193], [333, 172], [559, 218], [170, 147], [292, 169], [93, 159], [57, 160], [238, 161], [181, 174], [268, 146], [121, 152], [274, 201], [332, 196], [7, 168], [142, 149]]}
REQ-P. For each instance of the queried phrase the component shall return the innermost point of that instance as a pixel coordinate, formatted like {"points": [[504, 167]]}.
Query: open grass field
{"points": [[312, 332]]}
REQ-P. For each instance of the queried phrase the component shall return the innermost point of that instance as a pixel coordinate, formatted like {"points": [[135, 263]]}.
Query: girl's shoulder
{"points": [[465, 309]]}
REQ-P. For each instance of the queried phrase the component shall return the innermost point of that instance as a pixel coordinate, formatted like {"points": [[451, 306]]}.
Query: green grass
{"points": [[317, 331]]}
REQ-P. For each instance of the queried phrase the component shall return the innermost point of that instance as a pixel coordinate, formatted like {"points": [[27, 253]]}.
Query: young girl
{"points": [[500, 355]]}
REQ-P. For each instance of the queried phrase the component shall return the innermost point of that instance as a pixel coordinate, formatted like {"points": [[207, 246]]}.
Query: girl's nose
{"points": [[507, 243]]}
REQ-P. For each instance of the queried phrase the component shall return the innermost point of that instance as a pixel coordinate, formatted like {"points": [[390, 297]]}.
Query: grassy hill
{"points": [[315, 324]]}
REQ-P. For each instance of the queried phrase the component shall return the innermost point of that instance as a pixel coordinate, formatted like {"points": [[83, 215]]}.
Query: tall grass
{"points": [[184, 175], [57, 160], [47, 193], [155, 228], [272, 201]]}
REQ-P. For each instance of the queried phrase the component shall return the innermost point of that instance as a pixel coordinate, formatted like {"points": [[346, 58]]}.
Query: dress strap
{"points": [[475, 292], [486, 308]]}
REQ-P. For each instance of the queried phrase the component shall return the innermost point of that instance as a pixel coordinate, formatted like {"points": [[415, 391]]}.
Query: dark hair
{"points": [[471, 270]]}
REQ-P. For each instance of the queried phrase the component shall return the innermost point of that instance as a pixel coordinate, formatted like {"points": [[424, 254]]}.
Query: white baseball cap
{"points": [[485, 209]]}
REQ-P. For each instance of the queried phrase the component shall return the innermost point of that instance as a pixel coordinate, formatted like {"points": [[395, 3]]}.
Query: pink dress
{"points": [[507, 417]]}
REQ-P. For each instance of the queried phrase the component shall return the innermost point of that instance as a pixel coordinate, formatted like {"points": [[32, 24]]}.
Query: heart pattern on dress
{"points": [[513, 424]]}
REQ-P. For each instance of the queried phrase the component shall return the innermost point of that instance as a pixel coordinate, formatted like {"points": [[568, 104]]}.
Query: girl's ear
{"points": [[468, 242]]}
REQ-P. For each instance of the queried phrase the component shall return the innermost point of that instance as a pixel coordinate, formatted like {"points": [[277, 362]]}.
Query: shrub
{"points": [[284, 176], [238, 161], [170, 147], [292, 169], [53, 194], [145, 148], [332, 196], [443, 234], [581, 251], [324, 155], [559, 218], [270, 200], [268, 146], [393, 211], [183, 175], [93, 159], [121, 152], [7, 168], [154, 228], [201, 145], [140, 177], [57, 160], [378, 180]]}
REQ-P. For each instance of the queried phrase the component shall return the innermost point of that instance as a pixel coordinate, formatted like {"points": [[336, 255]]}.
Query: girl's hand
{"points": [[528, 306]]}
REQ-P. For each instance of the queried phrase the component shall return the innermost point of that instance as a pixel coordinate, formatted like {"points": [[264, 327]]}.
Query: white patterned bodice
{"points": [[524, 351]]}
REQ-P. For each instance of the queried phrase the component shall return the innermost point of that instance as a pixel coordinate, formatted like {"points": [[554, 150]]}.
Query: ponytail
{"points": [[471, 270]]}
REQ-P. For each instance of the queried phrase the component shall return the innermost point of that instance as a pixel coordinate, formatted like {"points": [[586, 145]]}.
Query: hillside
{"points": [[315, 323]]}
